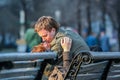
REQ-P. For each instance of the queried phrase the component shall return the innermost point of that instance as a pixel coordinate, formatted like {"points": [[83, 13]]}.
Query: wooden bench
{"points": [[25, 65], [85, 66], [113, 66]]}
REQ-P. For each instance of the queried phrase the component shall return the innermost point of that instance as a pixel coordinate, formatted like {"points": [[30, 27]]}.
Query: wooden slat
{"points": [[18, 72], [26, 56], [88, 76], [116, 62], [93, 67], [116, 77], [25, 64], [114, 68], [20, 78], [114, 71], [105, 55]]}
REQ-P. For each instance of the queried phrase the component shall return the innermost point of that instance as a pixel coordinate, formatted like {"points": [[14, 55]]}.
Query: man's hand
{"points": [[66, 43]]}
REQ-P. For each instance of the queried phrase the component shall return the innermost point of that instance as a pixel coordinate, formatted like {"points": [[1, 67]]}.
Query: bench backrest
{"points": [[92, 71], [114, 72], [21, 70], [23, 66], [98, 70], [26, 66]]}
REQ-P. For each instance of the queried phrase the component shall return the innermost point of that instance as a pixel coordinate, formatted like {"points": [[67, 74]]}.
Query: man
{"points": [[50, 31], [104, 41], [92, 40]]}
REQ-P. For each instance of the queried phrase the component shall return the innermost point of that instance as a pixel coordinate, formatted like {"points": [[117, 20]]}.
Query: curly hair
{"points": [[39, 48], [46, 22]]}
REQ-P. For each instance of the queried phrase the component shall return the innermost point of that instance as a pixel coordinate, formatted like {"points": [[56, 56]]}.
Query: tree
{"points": [[118, 19], [78, 17], [103, 3], [89, 16]]}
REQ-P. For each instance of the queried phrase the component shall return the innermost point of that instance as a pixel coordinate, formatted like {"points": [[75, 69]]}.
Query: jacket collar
{"points": [[60, 33]]}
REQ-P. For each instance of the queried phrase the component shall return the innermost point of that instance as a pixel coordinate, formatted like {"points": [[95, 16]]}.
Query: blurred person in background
{"points": [[7, 39], [104, 41], [50, 31], [31, 37], [92, 40]]}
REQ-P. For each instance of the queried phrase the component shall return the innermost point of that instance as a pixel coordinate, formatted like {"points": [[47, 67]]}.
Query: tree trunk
{"points": [[118, 17], [118, 20], [78, 17], [103, 26], [23, 5], [89, 16]]}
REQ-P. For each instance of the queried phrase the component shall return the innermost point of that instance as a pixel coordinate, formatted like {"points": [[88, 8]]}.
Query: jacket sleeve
{"points": [[66, 59]]}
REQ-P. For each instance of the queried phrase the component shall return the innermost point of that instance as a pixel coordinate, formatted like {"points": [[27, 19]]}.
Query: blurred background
{"points": [[86, 17]]}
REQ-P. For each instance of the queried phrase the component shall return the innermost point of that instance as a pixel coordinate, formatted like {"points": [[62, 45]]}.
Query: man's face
{"points": [[46, 35]]}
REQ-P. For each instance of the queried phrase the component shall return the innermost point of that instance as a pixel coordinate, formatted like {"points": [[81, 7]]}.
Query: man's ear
{"points": [[53, 30]]}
